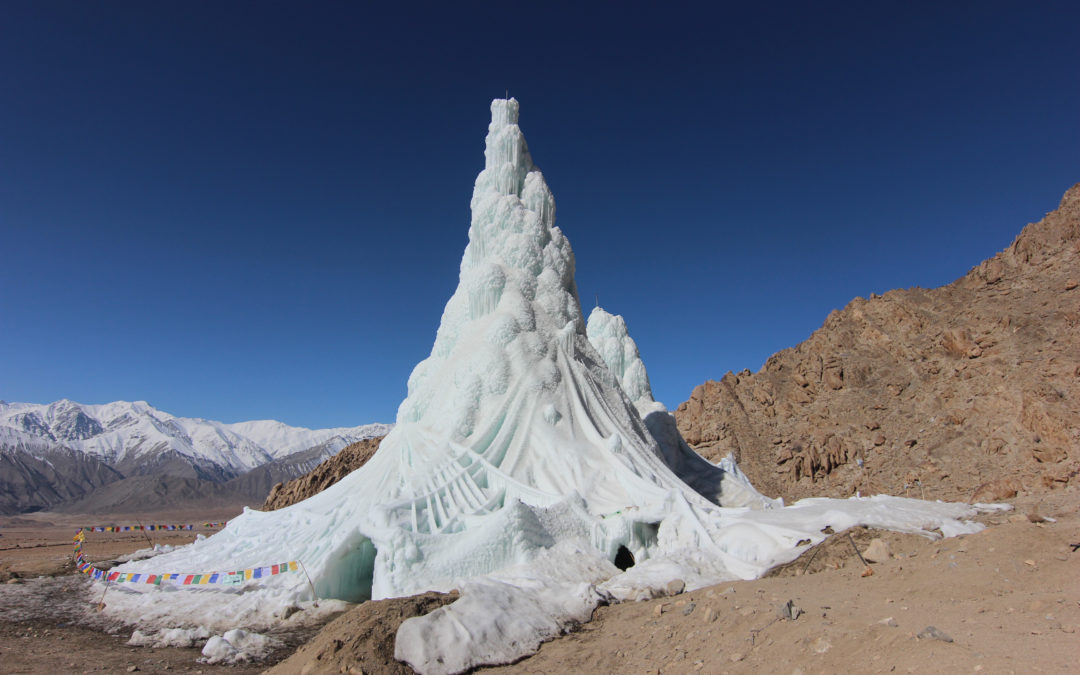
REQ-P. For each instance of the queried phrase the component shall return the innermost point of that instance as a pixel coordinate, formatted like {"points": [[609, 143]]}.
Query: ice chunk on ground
{"points": [[238, 646], [219, 650], [492, 623], [503, 617]]}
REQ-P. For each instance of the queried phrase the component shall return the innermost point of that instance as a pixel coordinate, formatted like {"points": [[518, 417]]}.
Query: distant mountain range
{"points": [[64, 453]]}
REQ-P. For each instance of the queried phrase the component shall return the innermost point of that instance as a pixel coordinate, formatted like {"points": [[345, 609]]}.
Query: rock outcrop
{"points": [[347, 460], [362, 639], [937, 393]]}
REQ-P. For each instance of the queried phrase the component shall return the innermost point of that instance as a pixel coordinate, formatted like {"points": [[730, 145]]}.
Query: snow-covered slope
{"points": [[136, 438]]}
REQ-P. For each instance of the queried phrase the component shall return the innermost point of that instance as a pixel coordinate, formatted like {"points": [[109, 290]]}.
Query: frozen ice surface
{"points": [[527, 455]]}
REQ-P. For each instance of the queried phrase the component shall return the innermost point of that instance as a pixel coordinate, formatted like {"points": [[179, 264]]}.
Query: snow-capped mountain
{"points": [[134, 438], [36, 473]]}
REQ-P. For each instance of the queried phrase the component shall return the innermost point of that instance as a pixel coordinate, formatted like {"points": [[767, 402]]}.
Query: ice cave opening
{"points": [[353, 572], [624, 559]]}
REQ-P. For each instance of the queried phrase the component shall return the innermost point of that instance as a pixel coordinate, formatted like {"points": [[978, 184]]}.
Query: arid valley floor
{"points": [[1008, 598]]}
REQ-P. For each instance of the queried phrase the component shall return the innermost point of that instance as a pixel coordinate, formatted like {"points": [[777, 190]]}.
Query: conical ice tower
{"points": [[516, 441], [514, 431], [514, 396]]}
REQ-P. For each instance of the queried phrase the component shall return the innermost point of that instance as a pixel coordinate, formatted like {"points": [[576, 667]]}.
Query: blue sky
{"points": [[256, 210]]}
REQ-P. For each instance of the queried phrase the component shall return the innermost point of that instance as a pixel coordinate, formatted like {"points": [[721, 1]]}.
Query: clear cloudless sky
{"points": [[256, 210]]}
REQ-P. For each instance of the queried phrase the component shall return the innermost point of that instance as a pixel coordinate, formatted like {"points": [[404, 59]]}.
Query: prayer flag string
{"points": [[181, 579], [149, 528]]}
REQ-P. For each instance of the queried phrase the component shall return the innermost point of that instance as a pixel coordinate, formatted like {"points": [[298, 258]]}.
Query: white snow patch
{"points": [[146, 553], [249, 606], [238, 646], [169, 637]]}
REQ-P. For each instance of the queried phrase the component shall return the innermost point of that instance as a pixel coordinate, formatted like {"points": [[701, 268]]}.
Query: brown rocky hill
{"points": [[930, 393], [348, 459]]}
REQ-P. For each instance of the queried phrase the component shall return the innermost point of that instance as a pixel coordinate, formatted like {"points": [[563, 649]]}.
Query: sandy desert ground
{"points": [[46, 620], [1004, 600]]}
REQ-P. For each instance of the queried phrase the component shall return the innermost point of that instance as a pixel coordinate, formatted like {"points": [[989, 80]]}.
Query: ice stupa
{"points": [[513, 413], [529, 446]]}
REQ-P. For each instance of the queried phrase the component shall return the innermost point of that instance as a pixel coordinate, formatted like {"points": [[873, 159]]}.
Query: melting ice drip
{"points": [[528, 444]]}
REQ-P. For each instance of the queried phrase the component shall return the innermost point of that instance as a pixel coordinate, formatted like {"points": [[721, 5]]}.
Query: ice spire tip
{"points": [[504, 111]]}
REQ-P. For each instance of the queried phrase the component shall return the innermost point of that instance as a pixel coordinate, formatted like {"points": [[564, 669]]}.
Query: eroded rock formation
{"points": [[920, 392], [350, 458]]}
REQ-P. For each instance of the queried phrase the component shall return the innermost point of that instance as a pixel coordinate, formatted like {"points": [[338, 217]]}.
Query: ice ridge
{"points": [[608, 333]]}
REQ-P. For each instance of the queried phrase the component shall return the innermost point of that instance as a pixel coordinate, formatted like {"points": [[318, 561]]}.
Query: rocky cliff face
{"points": [[968, 391], [346, 461]]}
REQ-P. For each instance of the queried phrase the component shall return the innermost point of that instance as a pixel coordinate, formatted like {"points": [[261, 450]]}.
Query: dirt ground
{"points": [[1004, 600], [46, 625], [40, 543]]}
